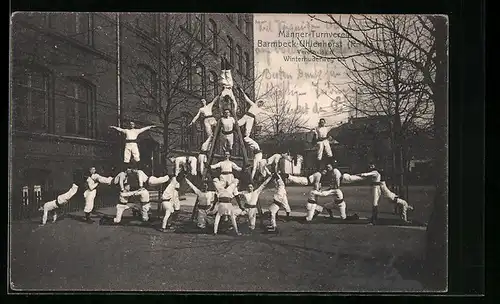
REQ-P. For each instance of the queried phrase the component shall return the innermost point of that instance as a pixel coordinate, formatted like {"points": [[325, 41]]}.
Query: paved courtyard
{"points": [[323, 256]]}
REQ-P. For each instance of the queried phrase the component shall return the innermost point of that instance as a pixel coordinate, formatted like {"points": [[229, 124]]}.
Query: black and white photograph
{"points": [[228, 152]]}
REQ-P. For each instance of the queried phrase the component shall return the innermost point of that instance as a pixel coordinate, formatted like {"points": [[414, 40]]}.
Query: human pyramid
{"points": [[225, 196]]}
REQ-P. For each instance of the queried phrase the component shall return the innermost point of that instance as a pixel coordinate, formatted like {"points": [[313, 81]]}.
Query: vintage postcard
{"points": [[228, 152]]}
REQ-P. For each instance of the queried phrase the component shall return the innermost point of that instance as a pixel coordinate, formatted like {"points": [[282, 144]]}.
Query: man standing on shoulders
{"points": [[131, 147], [226, 166]]}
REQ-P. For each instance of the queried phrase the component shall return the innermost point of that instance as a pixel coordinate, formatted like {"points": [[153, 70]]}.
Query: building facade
{"points": [[75, 74]]}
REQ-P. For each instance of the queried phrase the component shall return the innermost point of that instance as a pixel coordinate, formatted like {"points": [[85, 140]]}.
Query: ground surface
{"points": [[322, 256]]}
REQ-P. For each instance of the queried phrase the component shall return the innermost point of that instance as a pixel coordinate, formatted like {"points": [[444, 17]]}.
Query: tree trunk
{"points": [[166, 139], [399, 181], [437, 229]]}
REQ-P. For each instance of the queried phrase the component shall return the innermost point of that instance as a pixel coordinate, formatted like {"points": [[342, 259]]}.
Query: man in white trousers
{"points": [[170, 200], [186, 163], [402, 206], [156, 181], [351, 178], [226, 166], [132, 186], [153, 181], [280, 200], [251, 197], [227, 131], [61, 200], [206, 113], [313, 179], [312, 206], [224, 204], [206, 200], [226, 82], [257, 157], [322, 140], [337, 203], [376, 191], [92, 181], [274, 162], [255, 109], [262, 167], [131, 147], [209, 121], [252, 144]]}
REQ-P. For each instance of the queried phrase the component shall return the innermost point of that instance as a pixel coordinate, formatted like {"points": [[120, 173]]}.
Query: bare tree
{"points": [[428, 42], [283, 117], [37, 41], [385, 85], [175, 73]]}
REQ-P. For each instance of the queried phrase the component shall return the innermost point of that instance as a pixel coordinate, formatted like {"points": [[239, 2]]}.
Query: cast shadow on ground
{"points": [[375, 263], [183, 225], [408, 264], [361, 221], [398, 222]]}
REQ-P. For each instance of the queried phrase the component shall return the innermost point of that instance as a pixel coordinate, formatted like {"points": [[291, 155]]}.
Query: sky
{"points": [[281, 60]]}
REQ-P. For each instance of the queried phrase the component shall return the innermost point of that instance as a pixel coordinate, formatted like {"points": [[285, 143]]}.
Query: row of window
{"points": [[81, 26], [197, 80], [34, 111], [78, 26], [196, 24]]}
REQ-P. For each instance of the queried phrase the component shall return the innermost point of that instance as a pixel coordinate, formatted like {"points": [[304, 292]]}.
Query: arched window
{"points": [[199, 27], [199, 79], [212, 84], [79, 98], [185, 72], [247, 65], [212, 28], [31, 99], [239, 58], [147, 85], [230, 45]]}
